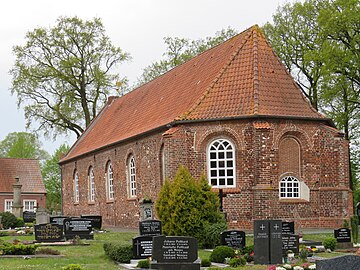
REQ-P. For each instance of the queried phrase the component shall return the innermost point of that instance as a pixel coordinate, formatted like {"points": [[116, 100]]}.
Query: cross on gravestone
{"points": [[276, 226], [262, 227], [142, 247]]}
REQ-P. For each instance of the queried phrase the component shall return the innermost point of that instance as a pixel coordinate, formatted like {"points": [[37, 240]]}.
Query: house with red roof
{"points": [[33, 193], [234, 113]]}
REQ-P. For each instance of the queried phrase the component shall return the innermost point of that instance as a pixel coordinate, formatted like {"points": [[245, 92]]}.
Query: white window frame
{"points": [[91, 178], [132, 177], [221, 164], [289, 188], [30, 205], [76, 187], [109, 182], [8, 205]]}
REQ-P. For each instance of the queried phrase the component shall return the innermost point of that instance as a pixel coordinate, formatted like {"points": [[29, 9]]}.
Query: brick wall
{"points": [[323, 167]]}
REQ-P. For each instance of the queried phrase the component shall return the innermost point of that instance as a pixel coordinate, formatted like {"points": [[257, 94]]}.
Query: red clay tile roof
{"points": [[28, 171], [238, 78]]}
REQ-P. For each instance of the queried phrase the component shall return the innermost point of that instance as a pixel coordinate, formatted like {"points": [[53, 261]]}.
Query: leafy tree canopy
{"points": [[63, 75], [52, 178], [180, 50], [22, 145]]}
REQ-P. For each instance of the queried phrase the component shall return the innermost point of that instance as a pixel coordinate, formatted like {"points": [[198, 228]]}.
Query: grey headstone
{"points": [[261, 242], [42, 216], [339, 263], [233, 238], [275, 241], [142, 247]]}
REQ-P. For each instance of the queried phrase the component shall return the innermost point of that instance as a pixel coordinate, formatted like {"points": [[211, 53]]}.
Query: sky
{"points": [[136, 26]]}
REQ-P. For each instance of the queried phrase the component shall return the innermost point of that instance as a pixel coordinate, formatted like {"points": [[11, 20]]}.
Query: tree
{"points": [[186, 206], [63, 75], [52, 178], [180, 50], [22, 145]]}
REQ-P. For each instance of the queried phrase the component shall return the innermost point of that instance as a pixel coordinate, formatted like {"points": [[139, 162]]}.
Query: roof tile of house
{"points": [[28, 171], [238, 78]]}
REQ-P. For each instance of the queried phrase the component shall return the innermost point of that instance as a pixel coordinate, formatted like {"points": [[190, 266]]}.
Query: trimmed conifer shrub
{"points": [[186, 206]]}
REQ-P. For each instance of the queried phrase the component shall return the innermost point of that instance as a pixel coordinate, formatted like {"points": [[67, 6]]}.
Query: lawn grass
{"points": [[92, 257]]}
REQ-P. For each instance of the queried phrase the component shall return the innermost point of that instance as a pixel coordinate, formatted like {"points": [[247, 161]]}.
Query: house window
{"points": [[289, 188], [76, 187], [29, 205], [221, 163], [8, 205], [132, 177], [91, 178], [110, 182]]}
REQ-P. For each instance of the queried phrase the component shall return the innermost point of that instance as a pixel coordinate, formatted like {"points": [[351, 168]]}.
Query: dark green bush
{"points": [[10, 221], [72, 267], [235, 262], [143, 264], [19, 249], [205, 263], [247, 250], [220, 253], [330, 243], [20, 222], [210, 236], [119, 252], [185, 206], [355, 228]]}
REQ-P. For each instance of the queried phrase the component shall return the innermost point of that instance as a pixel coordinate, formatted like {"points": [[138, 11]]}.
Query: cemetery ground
{"points": [[92, 256]]}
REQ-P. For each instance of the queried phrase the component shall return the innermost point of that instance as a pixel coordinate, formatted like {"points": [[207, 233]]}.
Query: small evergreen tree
{"points": [[186, 206]]}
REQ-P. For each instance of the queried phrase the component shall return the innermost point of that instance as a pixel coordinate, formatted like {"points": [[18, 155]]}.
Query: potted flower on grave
{"points": [[290, 254]]}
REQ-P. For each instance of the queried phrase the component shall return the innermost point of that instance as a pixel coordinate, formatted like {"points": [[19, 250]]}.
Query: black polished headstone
{"points": [[275, 241], [78, 227], [288, 227], [261, 242], [339, 263], [233, 238], [174, 249], [96, 220], [150, 227], [29, 216], [342, 235], [58, 219], [290, 242], [48, 232], [142, 247]]}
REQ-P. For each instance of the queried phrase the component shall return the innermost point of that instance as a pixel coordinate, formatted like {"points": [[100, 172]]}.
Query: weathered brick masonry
{"points": [[282, 158]]}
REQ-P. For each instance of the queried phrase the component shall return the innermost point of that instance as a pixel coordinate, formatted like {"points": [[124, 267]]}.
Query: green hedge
{"points": [[119, 252], [19, 249]]}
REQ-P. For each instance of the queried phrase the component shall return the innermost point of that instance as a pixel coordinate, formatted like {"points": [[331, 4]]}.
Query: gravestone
{"points": [[288, 227], [97, 220], [275, 241], [175, 253], [142, 247], [58, 219], [150, 227], [290, 242], [343, 238], [49, 232], [233, 238], [267, 241], [29, 216], [339, 263], [261, 242], [146, 210], [42, 216], [81, 227]]}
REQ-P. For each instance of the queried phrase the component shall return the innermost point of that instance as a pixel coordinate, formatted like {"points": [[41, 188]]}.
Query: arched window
{"points": [[289, 188], [132, 176], [162, 165], [109, 182], [76, 187], [221, 163], [290, 156], [91, 178]]}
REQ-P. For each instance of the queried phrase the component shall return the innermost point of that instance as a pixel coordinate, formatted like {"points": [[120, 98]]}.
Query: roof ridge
{"points": [[256, 72], [221, 72]]}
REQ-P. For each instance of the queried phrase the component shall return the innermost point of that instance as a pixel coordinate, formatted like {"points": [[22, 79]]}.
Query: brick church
{"points": [[234, 113]]}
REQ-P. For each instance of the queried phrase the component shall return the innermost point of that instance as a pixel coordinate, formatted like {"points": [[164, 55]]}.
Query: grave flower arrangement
{"points": [[304, 266]]}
